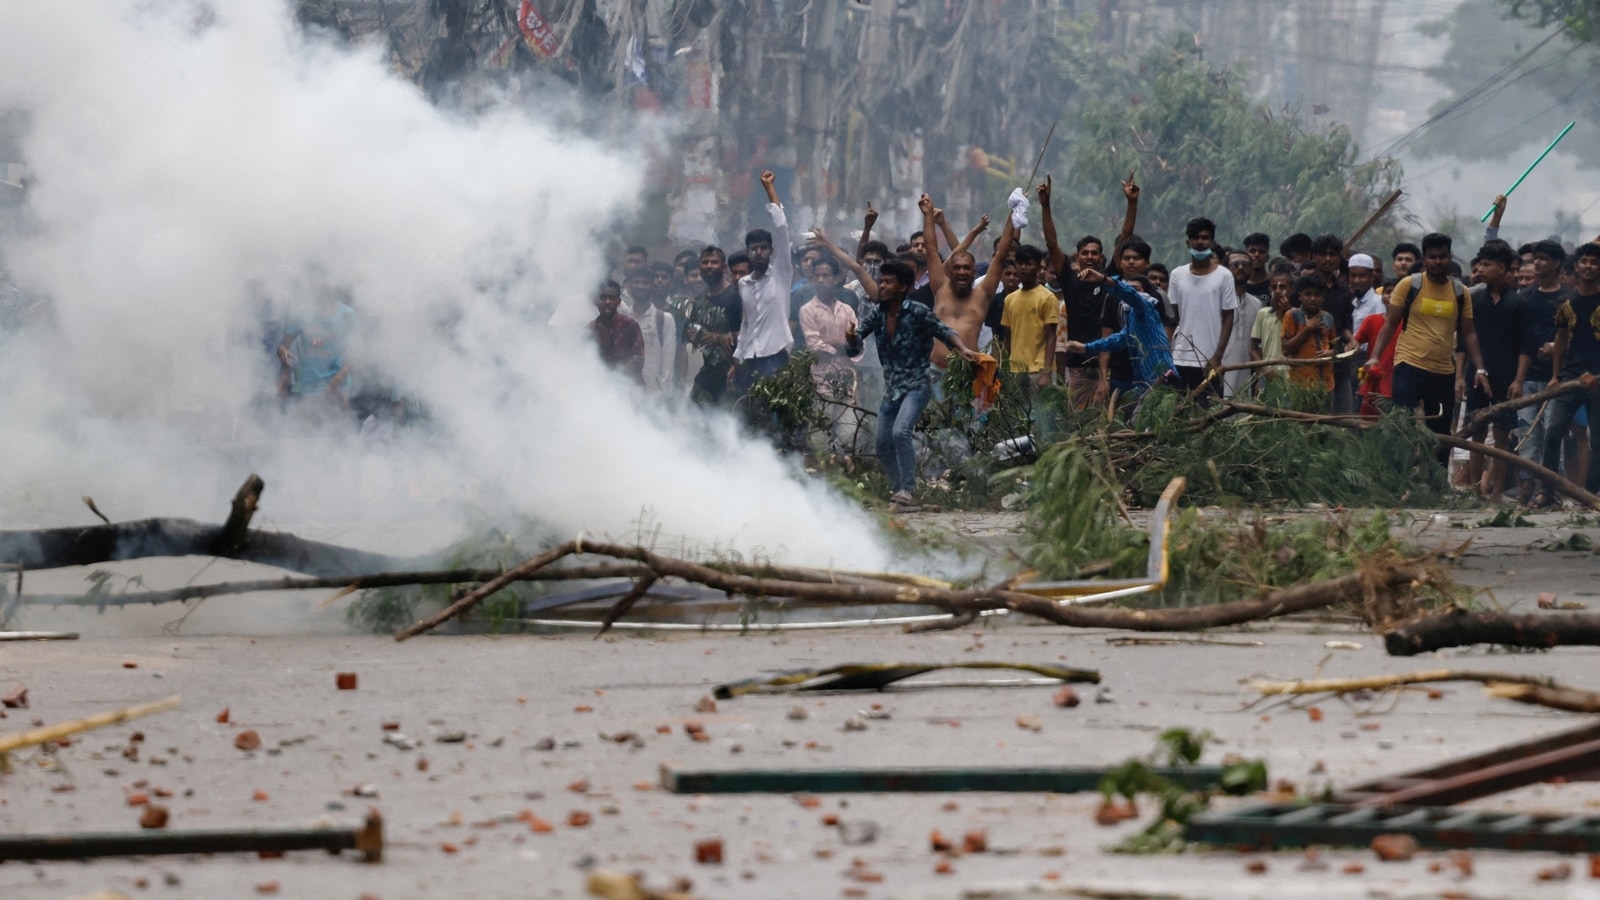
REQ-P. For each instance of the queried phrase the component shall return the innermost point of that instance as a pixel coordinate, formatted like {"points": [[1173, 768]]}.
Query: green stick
{"points": [[1531, 166]]}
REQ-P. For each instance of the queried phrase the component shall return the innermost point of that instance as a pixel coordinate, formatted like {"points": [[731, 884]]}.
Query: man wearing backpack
{"points": [[1434, 307]]}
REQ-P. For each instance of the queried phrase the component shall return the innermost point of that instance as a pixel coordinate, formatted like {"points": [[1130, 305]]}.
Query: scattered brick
{"points": [[153, 817], [247, 740], [708, 852], [1394, 847], [345, 681]]}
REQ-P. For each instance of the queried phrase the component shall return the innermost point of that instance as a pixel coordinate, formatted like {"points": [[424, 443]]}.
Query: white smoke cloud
{"points": [[184, 165]]}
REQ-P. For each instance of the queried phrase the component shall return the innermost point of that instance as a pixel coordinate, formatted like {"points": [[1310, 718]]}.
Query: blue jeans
{"points": [[1559, 416], [1530, 433], [897, 416]]}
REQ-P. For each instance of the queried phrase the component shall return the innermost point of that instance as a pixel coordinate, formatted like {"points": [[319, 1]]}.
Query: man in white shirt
{"points": [[764, 335], [1203, 294], [660, 331], [1244, 319], [1363, 274]]}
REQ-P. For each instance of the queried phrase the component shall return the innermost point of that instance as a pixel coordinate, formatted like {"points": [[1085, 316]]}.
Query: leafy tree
{"points": [[1201, 146], [1581, 17], [1508, 87]]}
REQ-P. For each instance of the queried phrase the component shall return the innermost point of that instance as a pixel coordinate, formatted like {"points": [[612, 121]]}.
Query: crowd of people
{"points": [[1324, 329]]}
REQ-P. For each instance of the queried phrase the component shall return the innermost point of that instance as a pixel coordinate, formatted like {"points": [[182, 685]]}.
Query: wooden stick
{"points": [[1483, 415], [621, 607], [1556, 481], [475, 596], [1372, 220], [1382, 682], [1040, 158], [98, 720], [1566, 698], [1348, 588], [366, 582], [236, 530]]}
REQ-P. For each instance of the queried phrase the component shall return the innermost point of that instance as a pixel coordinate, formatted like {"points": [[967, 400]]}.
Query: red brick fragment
{"points": [[1558, 872], [153, 817], [1394, 847], [1256, 867], [345, 681], [940, 843], [247, 739], [17, 699], [975, 841], [1066, 698], [267, 887], [138, 798], [708, 852], [578, 819], [222, 717]]}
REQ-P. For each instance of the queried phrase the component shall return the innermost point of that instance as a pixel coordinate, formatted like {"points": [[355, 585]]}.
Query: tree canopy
{"points": [[1201, 147]]}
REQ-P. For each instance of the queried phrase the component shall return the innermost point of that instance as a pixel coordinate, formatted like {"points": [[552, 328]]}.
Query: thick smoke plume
{"points": [[197, 171]]}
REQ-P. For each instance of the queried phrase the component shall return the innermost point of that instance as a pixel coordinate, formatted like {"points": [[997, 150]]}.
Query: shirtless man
{"points": [[957, 301]]}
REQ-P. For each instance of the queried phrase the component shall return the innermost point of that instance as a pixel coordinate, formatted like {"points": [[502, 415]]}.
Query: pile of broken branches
{"points": [[347, 570]]}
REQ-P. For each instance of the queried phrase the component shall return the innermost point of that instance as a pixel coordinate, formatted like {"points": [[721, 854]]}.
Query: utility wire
{"points": [[1470, 95]]}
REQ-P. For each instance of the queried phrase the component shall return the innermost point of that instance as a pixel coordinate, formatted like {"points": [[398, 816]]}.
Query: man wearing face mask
{"points": [[1202, 292]]}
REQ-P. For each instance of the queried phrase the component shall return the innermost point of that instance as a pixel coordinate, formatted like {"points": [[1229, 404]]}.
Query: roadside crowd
{"points": [[1335, 333]]}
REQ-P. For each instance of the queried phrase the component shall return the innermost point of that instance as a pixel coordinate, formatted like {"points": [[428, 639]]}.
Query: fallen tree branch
{"points": [[1552, 696], [66, 729], [1536, 690], [1481, 416], [346, 583], [1460, 628], [1556, 481], [1383, 682], [625, 603], [1358, 423], [1349, 588], [57, 548]]}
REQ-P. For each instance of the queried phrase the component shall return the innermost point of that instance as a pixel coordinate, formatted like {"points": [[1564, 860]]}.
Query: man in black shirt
{"points": [[1494, 312], [1576, 354], [1090, 312], [1535, 328], [1258, 284], [710, 324]]}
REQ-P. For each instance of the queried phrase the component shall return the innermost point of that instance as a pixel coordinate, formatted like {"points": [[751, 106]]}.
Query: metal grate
{"points": [[1271, 826]]}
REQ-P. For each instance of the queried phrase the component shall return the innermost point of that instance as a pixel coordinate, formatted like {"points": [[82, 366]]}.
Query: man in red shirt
{"points": [[620, 341]]}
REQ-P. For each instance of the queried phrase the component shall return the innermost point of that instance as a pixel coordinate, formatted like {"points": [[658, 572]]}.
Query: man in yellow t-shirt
{"points": [[1030, 317], [1434, 306]]}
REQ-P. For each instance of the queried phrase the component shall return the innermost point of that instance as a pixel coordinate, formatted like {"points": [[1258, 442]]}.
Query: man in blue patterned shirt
{"points": [[906, 330], [1144, 336]]}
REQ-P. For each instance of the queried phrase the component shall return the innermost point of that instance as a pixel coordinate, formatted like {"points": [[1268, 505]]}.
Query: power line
{"points": [[1470, 95]]}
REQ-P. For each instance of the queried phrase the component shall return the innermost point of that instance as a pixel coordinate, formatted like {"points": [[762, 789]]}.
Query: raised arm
{"points": [[782, 258], [1130, 189], [856, 269], [866, 232], [1047, 221], [966, 243], [936, 279], [1493, 231], [944, 229], [991, 278]]}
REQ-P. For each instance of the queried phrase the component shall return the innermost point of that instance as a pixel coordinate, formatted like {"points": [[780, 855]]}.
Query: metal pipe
{"points": [[367, 839]]}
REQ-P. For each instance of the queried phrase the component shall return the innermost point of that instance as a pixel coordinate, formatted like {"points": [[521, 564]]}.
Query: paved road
{"points": [[509, 693]]}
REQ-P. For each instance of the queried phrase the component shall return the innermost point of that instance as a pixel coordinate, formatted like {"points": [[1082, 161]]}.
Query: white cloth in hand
{"points": [[1018, 201]]}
